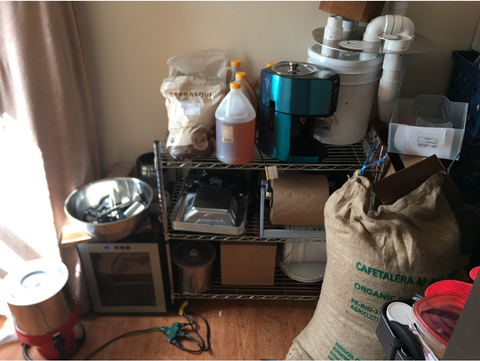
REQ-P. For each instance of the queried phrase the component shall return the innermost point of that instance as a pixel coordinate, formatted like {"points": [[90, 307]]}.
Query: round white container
{"points": [[304, 252], [358, 90], [304, 261]]}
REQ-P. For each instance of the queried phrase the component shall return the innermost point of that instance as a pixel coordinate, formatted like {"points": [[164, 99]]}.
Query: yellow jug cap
{"points": [[270, 63], [235, 62], [235, 85], [240, 75]]}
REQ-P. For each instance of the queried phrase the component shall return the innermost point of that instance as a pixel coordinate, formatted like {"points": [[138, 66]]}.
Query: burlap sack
{"points": [[373, 257]]}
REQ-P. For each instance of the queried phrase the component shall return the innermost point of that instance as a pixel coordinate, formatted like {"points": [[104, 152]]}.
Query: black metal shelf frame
{"points": [[340, 158]]}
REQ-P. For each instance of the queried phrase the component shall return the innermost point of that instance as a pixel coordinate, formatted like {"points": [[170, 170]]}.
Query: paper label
{"points": [[272, 172], [190, 108], [227, 134]]}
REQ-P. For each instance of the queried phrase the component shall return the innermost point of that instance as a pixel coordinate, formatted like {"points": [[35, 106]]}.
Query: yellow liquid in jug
{"points": [[235, 142]]}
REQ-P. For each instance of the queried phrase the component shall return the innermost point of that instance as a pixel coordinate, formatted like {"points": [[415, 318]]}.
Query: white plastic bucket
{"points": [[358, 90]]}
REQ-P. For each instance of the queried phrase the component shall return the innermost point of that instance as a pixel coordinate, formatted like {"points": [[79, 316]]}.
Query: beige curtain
{"points": [[48, 142]]}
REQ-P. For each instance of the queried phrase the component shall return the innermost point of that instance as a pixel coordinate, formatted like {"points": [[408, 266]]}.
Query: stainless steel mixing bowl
{"points": [[91, 195]]}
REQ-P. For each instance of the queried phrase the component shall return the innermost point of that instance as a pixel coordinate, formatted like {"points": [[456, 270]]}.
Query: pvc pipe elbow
{"points": [[374, 28], [389, 24], [407, 26]]}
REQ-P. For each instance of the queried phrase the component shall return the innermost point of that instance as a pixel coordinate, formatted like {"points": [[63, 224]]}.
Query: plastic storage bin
{"points": [[436, 316], [427, 125], [464, 86]]}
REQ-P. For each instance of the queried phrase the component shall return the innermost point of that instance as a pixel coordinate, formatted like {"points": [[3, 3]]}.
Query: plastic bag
{"points": [[191, 102], [210, 62]]}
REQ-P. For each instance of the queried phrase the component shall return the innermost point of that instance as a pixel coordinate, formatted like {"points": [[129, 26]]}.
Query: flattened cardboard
{"points": [[400, 183], [247, 264]]}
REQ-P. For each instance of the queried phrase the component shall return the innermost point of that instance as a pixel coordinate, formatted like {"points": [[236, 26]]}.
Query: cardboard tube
{"points": [[299, 199]]}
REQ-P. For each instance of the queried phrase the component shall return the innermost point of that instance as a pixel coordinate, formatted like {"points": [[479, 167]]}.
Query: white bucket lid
{"points": [[34, 282], [349, 62], [399, 312]]}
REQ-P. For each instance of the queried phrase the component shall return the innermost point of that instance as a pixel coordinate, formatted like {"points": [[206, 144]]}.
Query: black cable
{"points": [[207, 338], [119, 337], [200, 343], [25, 347], [261, 155], [78, 342]]}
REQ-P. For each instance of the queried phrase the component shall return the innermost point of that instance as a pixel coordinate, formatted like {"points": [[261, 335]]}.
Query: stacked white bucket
{"points": [[359, 77]]}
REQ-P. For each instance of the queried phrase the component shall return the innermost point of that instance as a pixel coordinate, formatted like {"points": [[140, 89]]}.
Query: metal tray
{"points": [[183, 219]]}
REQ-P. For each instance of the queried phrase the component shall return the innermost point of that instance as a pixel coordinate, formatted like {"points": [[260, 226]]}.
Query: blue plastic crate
{"points": [[464, 86], [466, 173]]}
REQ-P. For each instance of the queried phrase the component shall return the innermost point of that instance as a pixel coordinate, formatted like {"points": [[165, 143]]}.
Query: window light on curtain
{"points": [[48, 141]]}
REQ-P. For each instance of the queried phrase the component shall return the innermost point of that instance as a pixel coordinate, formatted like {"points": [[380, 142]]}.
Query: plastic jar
{"points": [[256, 86], [246, 89], [436, 316], [231, 71], [235, 127]]}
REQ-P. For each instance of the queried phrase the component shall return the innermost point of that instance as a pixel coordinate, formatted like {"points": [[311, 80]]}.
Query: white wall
{"points": [[127, 45]]}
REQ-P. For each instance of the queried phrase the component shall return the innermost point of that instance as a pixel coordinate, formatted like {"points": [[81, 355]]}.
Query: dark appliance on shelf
{"points": [[294, 99]]}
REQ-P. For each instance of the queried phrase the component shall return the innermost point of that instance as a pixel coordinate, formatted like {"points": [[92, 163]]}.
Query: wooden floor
{"points": [[240, 329]]}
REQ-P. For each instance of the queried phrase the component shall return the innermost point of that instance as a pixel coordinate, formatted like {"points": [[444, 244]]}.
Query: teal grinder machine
{"points": [[295, 98]]}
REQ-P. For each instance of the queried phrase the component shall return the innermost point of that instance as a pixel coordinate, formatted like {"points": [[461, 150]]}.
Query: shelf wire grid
{"points": [[340, 158], [348, 157], [251, 233], [283, 288]]}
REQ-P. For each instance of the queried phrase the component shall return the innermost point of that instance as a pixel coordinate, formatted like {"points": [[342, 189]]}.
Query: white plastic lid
{"points": [[346, 61], [399, 312], [34, 282]]}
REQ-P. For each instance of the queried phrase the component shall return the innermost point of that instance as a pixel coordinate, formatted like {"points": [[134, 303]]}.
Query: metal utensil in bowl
{"points": [[122, 190]]}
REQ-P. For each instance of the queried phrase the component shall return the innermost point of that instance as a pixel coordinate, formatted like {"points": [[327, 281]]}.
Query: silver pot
{"points": [[193, 265]]}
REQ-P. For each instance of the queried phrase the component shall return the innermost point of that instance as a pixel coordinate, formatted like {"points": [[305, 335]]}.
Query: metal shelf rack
{"points": [[340, 158]]}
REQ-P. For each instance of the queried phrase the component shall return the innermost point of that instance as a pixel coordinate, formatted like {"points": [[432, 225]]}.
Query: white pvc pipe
{"points": [[390, 84], [332, 35], [397, 7], [391, 81], [349, 26]]}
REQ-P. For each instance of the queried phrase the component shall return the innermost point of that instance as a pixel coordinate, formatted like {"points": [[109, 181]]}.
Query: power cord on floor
{"points": [[173, 334]]}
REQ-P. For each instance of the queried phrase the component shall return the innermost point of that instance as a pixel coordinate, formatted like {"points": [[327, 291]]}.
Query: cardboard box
{"points": [[402, 182], [247, 264], [356, 10], [405, 160]]}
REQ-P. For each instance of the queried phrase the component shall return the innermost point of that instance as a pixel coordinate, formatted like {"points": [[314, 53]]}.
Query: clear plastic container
{"points": [[235, 127], [436, 316], [246, 89], [256, 86], [231, 71], [427, 125]]}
